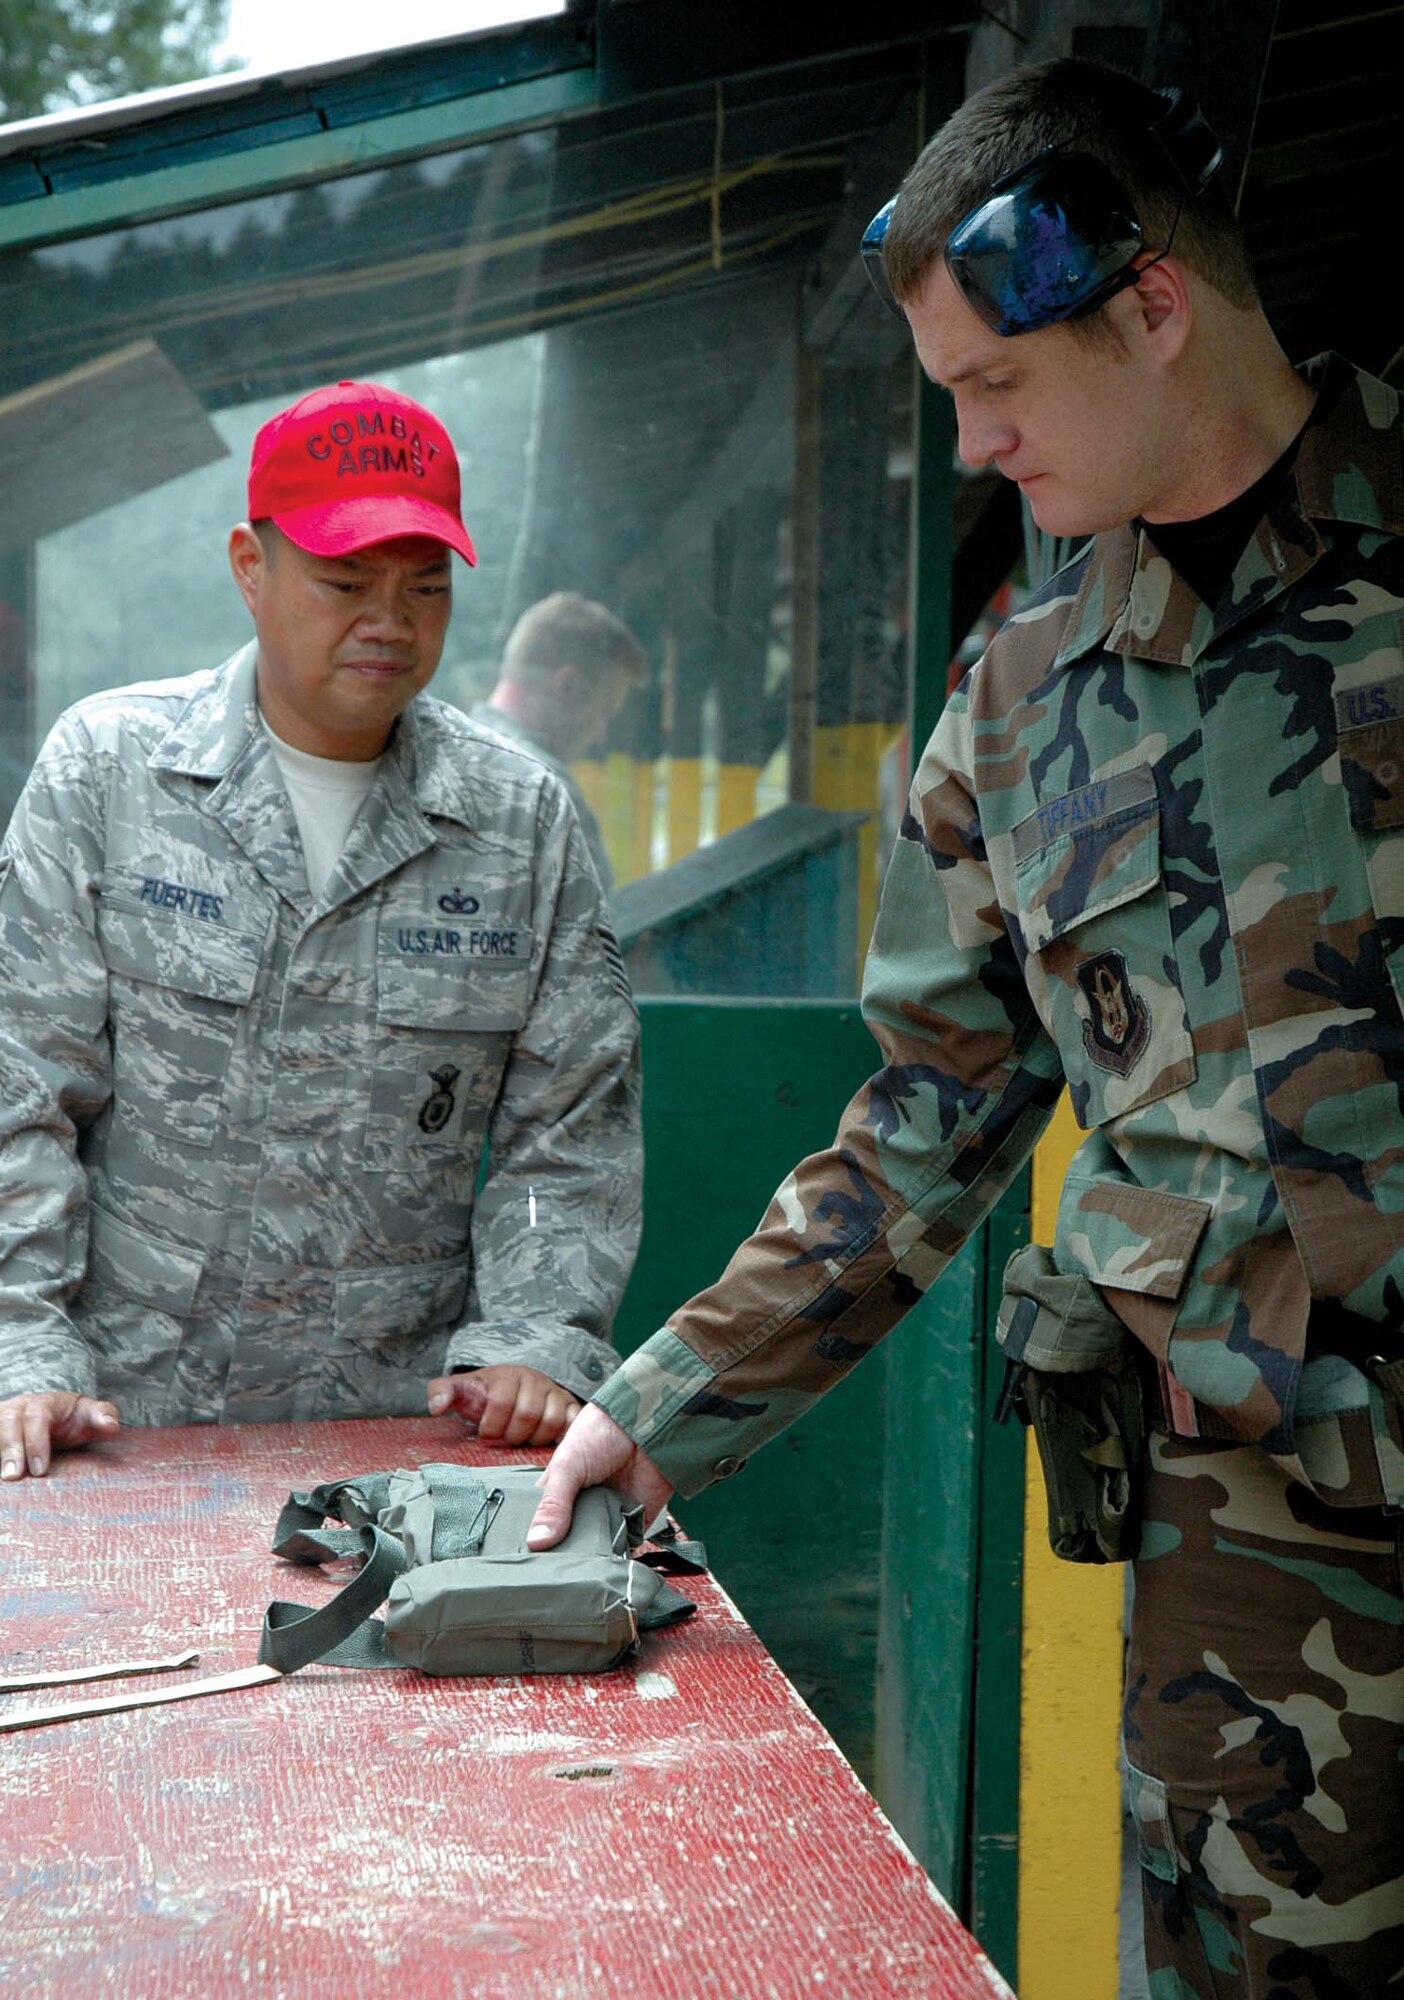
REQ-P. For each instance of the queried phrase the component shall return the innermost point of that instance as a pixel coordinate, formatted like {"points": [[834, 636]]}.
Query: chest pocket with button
{"points": [[179, 987], [444, 1031], [1095, 918]]}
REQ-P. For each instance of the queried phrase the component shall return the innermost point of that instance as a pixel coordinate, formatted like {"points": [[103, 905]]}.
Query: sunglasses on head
{"points": [[1056, 237]]}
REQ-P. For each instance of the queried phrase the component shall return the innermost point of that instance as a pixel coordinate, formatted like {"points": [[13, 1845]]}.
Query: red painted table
{"points": [[680, 1829]]}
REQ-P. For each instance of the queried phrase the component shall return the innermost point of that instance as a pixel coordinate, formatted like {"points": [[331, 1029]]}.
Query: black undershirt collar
{"points": [[1205, 552]]}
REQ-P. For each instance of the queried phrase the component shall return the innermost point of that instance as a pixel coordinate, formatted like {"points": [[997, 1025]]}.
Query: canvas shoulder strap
{"points": [[342, 1631]]}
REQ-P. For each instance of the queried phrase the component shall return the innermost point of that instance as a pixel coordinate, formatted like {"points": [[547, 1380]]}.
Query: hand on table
{"points": [[34, 1426], [506, 1404], [595, 1453]]}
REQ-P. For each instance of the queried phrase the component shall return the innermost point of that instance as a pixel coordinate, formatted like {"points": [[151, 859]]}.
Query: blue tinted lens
{"points": [[874, 236], [1048, 245]]}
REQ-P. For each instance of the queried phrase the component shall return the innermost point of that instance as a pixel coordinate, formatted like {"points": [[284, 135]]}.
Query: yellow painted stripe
{"points": [[616, 819], [619, 791], [684, 806], [736, 795], [1070, 1698], [640, 856], [590, 774]]}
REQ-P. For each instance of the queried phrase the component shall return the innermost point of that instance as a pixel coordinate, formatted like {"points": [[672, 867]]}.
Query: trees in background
{"points": [[56, 53]]}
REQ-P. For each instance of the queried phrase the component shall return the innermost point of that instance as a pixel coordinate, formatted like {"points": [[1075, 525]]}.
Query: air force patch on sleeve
{"points": [[1118, 1023]]}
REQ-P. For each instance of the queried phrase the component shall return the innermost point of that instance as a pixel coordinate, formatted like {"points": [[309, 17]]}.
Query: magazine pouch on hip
{"points": [[444, 1549], [1071, 1376]]}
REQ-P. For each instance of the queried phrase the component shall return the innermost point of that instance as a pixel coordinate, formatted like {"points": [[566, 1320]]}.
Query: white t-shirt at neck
{"points": [[326, 795]]}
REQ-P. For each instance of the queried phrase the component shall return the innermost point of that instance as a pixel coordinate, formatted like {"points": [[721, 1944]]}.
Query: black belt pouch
{"points": [[1072, 1375]]}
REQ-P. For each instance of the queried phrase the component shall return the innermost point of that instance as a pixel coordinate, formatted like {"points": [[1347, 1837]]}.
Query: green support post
{"points": [[992, 1903], [926, 1630], [946, 1757], [926, 1618]]}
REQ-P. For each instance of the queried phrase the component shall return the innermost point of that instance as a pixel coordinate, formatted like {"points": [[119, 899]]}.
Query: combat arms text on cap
{"points": [[355, 464]]}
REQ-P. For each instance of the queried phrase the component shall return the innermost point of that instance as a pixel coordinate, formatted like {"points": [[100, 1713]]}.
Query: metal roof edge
{"points": [[229, 138], [51, 128], [151, 192]]}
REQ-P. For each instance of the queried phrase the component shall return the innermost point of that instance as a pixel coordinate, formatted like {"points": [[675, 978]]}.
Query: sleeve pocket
{"points": [[1372, 771]]}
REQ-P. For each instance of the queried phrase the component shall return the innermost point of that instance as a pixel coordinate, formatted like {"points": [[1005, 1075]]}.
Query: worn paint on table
{"points": [[681, 1829]]}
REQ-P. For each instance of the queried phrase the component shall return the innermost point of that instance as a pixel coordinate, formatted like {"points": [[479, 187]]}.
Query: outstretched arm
{"points": [[859, 1231]]}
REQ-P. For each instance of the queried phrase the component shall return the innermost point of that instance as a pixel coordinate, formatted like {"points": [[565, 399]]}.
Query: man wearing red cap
{"points": [[318, 1065]]}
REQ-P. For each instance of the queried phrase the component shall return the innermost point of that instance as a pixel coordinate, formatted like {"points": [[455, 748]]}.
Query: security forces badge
{"points": [[438, 1107], [1117, 1027]]}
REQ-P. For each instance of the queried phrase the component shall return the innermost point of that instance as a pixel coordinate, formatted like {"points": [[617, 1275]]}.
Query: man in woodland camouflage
{"points": [[318, 1068], [1155, 851]]}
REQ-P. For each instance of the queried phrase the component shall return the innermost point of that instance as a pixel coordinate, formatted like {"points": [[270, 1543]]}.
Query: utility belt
{"points": [[1091, 1395]]}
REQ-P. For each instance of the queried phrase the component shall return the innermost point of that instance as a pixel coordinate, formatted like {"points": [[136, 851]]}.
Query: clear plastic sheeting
{"points": [[641, 330]]}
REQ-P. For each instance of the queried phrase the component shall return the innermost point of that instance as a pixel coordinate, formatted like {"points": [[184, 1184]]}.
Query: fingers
{"points": [[463, 1394], [563, 1479], [88, 1419], [33, 1427], [24, 1436], [557, 1415], [519, 1406], [45, 1423], [506, 1393], [506, 1405], [540, 1413]]}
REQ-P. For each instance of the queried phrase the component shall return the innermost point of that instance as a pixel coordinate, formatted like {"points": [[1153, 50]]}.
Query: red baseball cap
{"points": [[355, 464]]}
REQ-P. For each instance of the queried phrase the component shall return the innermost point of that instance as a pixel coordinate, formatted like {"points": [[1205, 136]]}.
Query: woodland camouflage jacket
{"points": [[242, 1129], [1156, 851]]}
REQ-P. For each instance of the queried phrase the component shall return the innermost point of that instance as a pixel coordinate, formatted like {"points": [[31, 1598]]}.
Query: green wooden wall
{"points": [[875, 1545], [735, 1092]]}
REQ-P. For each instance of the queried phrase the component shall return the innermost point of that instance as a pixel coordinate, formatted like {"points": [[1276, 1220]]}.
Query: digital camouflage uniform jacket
{"points": [[1156, 851], [241, 1129]]}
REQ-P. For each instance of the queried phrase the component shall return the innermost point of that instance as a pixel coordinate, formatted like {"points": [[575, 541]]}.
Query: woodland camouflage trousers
{"points": [[1264, 1731]]}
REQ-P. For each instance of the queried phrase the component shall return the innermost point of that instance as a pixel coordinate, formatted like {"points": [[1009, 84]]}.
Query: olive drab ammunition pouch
{"points": [[445, 1552], [1071, 1375]]}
